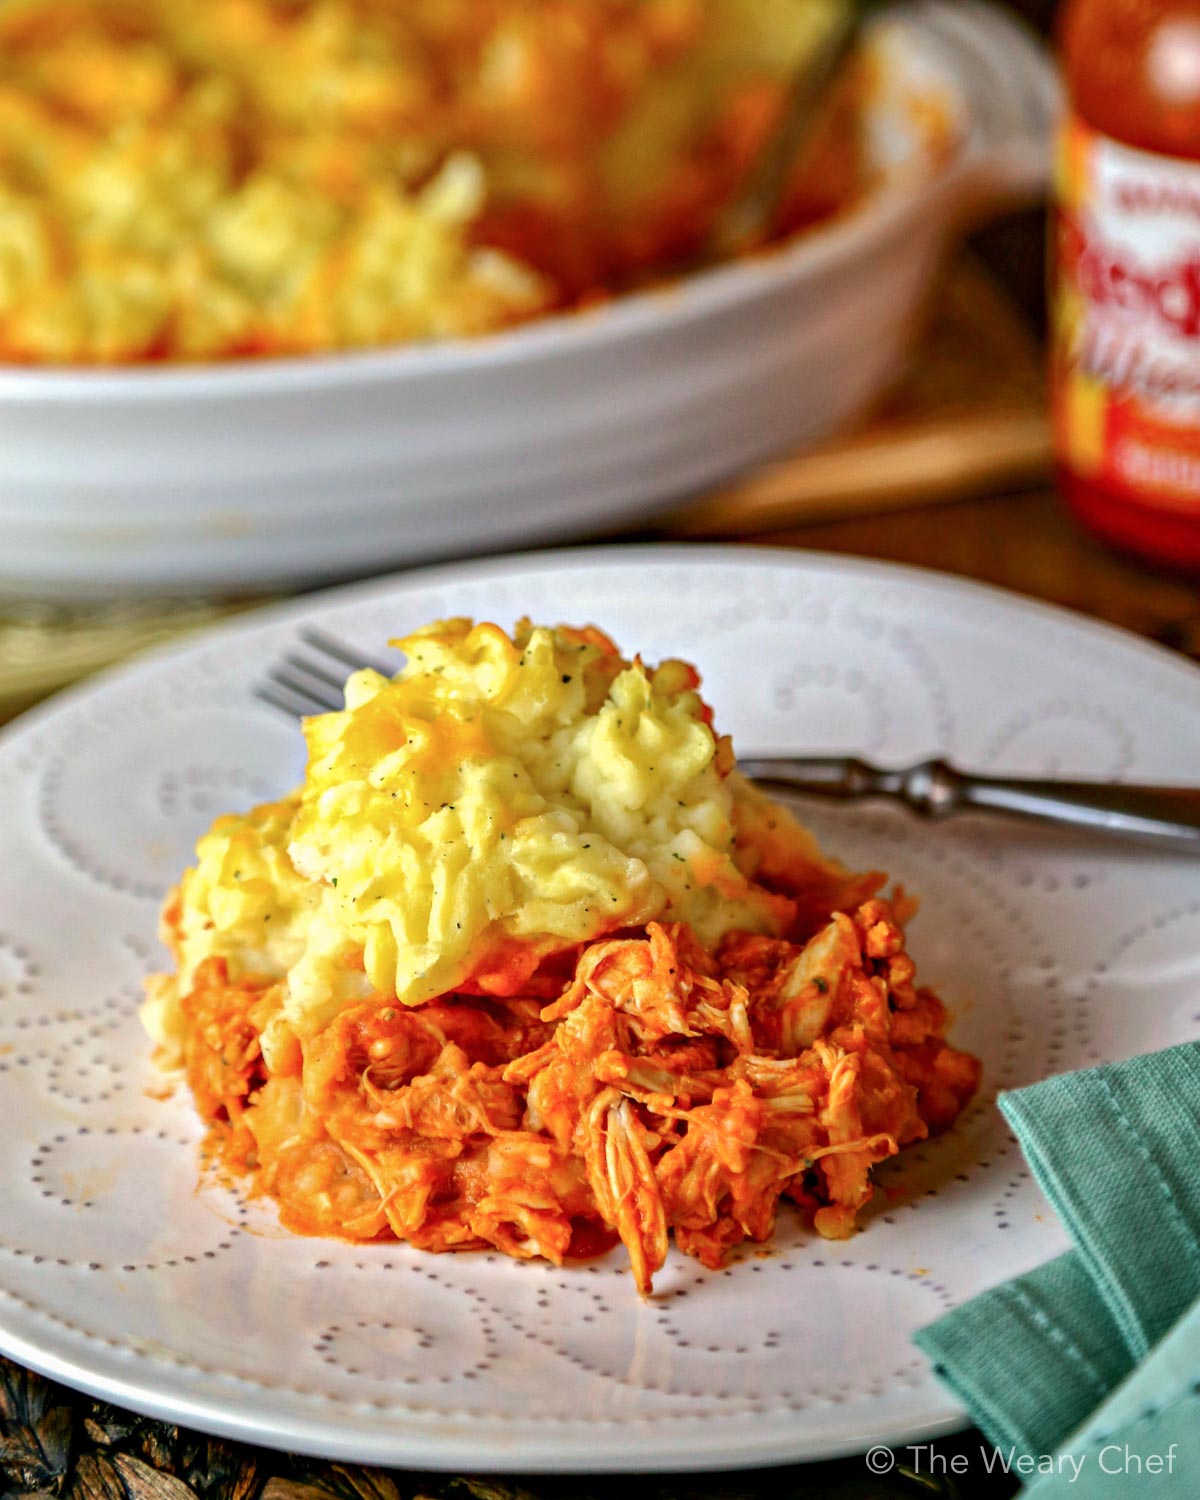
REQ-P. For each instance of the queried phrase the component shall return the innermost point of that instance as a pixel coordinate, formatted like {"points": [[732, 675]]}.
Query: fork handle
{"points": [[1168, 816]]}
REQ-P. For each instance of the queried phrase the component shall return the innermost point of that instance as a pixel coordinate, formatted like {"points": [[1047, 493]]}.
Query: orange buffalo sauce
{"points": [[1125, 364]]}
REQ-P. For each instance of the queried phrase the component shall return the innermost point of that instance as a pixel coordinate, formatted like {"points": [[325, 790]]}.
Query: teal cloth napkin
{"points": [[1100, 1348]]}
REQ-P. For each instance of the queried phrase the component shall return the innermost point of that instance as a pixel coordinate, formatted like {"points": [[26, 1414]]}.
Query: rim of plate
{"points": [[682, 1445], [615, 556], [693, 1446]]}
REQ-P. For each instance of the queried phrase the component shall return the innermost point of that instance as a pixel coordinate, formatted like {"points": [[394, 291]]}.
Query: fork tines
{"points": [[311, 682]]}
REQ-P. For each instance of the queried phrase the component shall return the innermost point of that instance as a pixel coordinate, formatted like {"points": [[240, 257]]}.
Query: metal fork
{"points": [[1167, 816], [313, 684]]}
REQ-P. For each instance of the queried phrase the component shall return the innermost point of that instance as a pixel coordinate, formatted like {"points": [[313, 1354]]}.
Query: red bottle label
{"points": [[1126, 337]]}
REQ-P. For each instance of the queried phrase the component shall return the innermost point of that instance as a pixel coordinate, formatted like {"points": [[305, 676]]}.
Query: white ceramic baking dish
{"points": [[249, 475]]}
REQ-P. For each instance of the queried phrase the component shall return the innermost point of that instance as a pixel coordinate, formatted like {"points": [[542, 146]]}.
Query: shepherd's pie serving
{"points": [[525, 963]]}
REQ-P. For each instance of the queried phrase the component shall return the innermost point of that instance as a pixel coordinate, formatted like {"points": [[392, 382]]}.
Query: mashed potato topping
{"points": [[500, 800], [525, 962], [201, 179]]}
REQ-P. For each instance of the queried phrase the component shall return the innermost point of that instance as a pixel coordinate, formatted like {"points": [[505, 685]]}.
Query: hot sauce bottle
{"points": [[1125, 348]]}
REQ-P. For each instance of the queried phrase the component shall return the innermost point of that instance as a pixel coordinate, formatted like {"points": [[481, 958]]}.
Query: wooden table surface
{"points": [[1029, 543], [1025, 542]]}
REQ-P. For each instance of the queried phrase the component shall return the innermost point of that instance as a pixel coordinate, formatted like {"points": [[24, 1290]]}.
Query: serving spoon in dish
{"points": [[746, 221], [312, 682]]}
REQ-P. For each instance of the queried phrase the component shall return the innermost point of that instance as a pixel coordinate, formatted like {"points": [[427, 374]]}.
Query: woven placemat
{"points": [[45, 645], [57, 1443]]}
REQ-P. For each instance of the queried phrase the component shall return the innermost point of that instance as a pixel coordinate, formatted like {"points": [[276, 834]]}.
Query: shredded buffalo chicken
{"points": [[657, 1088]]}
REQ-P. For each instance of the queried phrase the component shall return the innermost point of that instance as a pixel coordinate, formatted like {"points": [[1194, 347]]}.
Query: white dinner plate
{"points": [[118, 1276]]}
